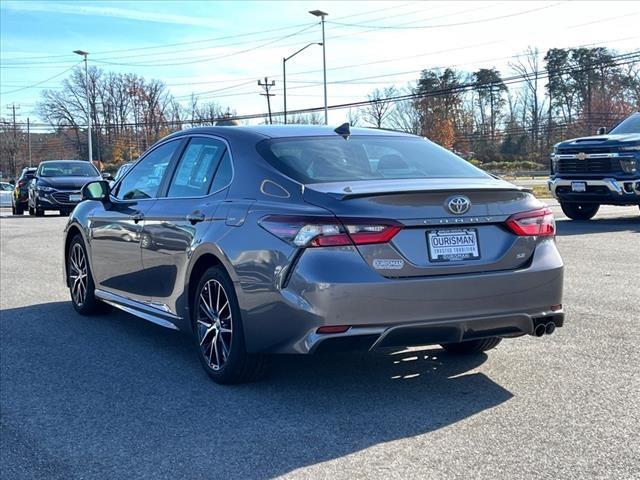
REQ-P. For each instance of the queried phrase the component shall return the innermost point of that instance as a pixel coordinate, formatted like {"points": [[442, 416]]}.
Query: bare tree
{"points": [[379, 107]]}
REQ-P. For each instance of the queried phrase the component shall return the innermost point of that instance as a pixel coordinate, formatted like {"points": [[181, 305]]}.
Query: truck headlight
{"points": [[629, 165], [630, 148]]}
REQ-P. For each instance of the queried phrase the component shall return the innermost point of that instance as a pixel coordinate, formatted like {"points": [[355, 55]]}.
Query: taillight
{"points": [[329, 231], [535, 222]]}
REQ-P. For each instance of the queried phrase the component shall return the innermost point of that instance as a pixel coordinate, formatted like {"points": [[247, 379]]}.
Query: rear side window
{"points": [[333, 159], [144, 178], [197, 168]]}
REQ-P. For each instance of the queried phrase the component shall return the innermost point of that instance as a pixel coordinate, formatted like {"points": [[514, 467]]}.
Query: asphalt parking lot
{"points": [[117, 397]]}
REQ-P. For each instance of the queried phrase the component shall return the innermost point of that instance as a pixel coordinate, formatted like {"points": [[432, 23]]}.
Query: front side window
{"points": [[144, 179], [334, 159], [67, 169], [197, 168]]}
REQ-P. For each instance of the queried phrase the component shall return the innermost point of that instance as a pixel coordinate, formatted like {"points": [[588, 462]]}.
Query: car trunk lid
{"points": [[434, 240]]}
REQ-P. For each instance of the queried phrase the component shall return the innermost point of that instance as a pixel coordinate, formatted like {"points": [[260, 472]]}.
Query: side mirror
{"points": [[98, 190], [107, 176], [601, 131]]}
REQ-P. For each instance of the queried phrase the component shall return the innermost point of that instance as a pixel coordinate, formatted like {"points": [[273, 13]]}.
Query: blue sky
{"points": [[38, 38]]}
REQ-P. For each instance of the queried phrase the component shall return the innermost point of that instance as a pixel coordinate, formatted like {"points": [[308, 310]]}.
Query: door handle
{"points": [[137, 217], [194, 218]]}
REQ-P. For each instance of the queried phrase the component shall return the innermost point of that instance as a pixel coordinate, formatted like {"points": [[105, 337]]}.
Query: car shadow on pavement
{"points": [[603, 225], [115, 396]]}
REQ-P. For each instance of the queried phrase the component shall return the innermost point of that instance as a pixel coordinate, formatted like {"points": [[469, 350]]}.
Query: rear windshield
{"points": [[68, 169], [629, 125], [333, 159]]}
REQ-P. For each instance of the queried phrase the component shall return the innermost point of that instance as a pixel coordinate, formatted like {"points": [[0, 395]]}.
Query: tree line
{"points": [[491, 119]]}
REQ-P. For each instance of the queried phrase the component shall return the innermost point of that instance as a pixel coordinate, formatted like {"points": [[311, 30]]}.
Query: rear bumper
{"points": [[334, 286], [602, 191]]}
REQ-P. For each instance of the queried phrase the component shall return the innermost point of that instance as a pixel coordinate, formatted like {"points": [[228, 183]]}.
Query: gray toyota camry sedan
{"points": [[304, 239]]}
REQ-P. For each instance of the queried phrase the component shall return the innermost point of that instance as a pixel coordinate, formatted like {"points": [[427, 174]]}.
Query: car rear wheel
{"points": [[218, 332], [472, 346], [580, 211], [80, 280]]}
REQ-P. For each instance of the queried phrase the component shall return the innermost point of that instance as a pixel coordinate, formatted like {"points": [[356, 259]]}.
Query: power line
{"points": [[540, 75], [470, 22], [43, 81]]}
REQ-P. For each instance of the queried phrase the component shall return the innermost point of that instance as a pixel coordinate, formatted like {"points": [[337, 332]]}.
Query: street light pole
{"points": [[284, 76], [321, 14], [86, 81]]}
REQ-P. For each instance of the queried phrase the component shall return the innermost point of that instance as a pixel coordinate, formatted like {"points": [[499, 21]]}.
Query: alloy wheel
{"points": [[214, 324], [78, 274]]}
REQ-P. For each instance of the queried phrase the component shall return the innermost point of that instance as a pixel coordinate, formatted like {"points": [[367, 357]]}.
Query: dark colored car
{"points": [[57, 185], [601, 170], [302, 239], [20, 198]]}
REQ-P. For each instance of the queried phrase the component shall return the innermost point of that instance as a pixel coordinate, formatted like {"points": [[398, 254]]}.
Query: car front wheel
{"points": [[580, 211], [80, 280], [218, 331]]}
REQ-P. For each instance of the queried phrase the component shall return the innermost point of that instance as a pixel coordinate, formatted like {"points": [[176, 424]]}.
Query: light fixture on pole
{"points": [[284, 76], [86, 81], [321, 14]]}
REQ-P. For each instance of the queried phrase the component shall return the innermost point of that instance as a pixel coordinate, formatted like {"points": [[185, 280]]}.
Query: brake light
{"points": [[536, 222], [329, 231]]}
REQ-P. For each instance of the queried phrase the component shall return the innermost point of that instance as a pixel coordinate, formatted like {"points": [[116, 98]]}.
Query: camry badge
{"points": [[459, 204]]}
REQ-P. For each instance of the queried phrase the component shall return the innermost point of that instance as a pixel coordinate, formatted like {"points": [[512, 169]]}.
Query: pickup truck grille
{"points": [[591, 165]]}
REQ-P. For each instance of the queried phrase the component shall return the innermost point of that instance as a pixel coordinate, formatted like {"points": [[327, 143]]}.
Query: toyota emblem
{"points": [[459, 205]]}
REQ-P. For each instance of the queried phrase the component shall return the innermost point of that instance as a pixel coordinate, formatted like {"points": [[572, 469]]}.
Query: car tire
{"points": [[13, 209], [218, 333], [80, 279], [39, 212], [580, 211], [472, 346]]}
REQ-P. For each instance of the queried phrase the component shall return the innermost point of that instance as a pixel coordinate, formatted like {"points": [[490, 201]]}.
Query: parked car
{"points": [[20, 197], [6, 191], [301, 239], [57, 185], [122, 170], [601, 170]]}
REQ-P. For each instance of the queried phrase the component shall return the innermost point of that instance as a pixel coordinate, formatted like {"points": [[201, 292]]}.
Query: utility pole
{"points": [[84, 54], [266, 85], [322, 15], [29, 138], [13, 107]]}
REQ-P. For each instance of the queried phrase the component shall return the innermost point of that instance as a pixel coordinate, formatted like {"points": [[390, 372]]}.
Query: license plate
{"points": [[75, 197], [453, 245], [578, 187]]}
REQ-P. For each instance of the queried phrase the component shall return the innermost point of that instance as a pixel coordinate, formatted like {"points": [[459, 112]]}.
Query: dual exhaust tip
{"points": [[544, 329]]}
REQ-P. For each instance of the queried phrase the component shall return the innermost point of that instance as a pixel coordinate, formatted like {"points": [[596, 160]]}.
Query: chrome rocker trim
{"points": [[140, 310]]}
